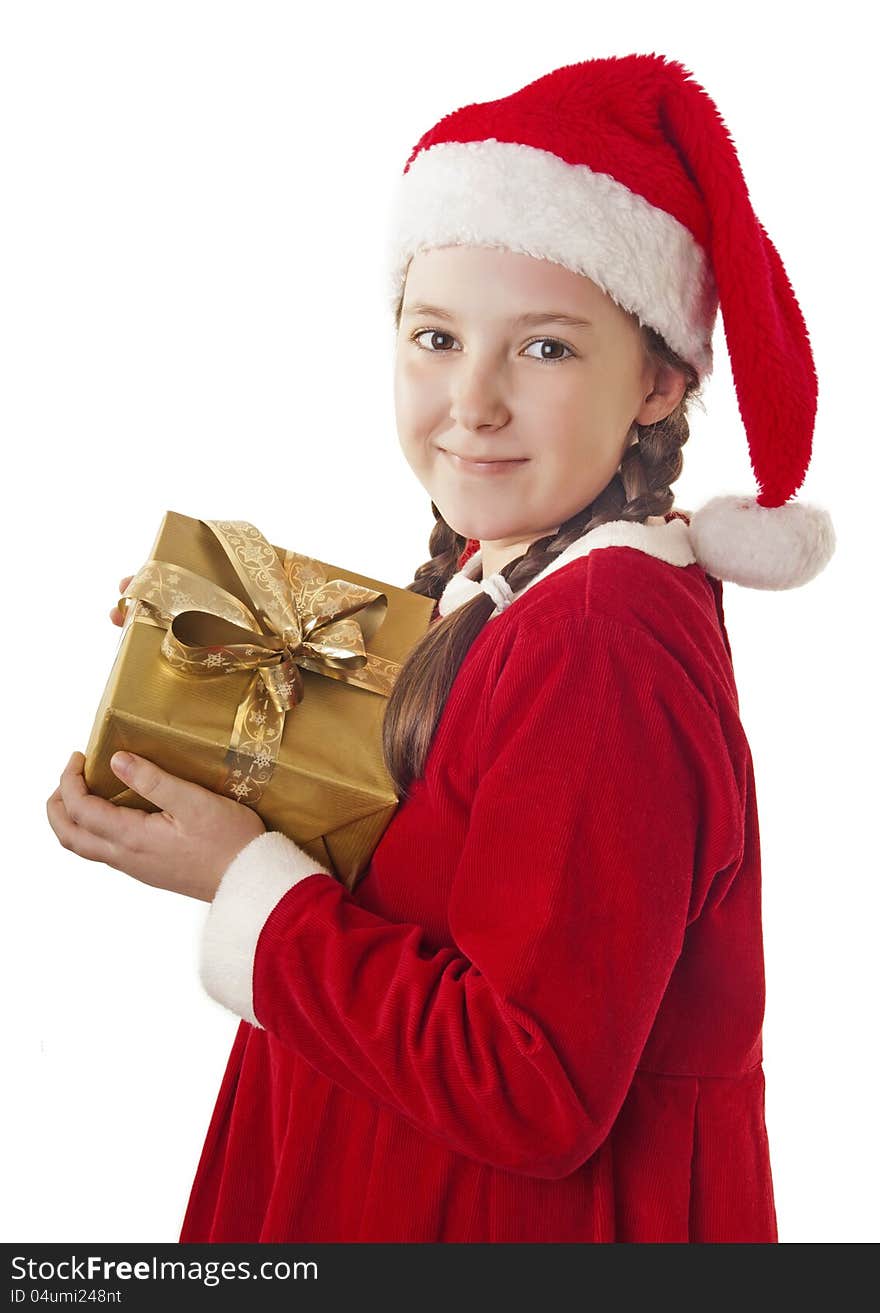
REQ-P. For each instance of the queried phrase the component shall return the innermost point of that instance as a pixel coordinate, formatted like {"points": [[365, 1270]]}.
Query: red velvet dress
{"points": [[537, 1018]]}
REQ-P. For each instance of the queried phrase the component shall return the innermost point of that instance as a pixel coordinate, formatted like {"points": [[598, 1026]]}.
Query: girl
{"points": [[538, 1015]]}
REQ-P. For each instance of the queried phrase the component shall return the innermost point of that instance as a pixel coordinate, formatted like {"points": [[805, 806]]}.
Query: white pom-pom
{"points": [[756, 546]]}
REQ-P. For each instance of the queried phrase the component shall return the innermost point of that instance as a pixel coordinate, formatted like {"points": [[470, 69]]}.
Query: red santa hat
{"points": [[622, 169]]}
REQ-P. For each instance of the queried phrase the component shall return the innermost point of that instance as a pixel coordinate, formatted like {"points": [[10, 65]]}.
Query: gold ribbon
{"points": [[300, 619]]}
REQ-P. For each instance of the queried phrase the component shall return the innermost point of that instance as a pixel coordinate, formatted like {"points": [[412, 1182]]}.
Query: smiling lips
{"points": [[482, 466]]}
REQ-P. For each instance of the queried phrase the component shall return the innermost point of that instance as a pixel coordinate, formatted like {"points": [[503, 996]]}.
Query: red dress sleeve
{"points": [[607, 806]]}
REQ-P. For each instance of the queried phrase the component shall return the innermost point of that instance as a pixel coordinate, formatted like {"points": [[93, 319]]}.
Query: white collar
{"points": [[667, 540]]}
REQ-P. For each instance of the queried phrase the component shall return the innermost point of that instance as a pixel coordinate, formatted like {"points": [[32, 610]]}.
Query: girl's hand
{"points": [[116, 615], [184, 848]]}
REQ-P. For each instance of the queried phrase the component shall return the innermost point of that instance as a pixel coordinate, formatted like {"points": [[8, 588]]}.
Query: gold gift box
{"points": [[175, 696]]}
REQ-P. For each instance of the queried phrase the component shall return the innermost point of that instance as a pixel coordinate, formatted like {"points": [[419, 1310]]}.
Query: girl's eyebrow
{"points": [[532, 318]]}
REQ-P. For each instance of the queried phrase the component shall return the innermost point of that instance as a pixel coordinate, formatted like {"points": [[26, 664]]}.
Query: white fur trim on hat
{"points": [[760, 546], [499, 193], [251, 886]]}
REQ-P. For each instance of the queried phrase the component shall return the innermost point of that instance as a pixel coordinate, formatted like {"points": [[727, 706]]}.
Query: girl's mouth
{"points": [[482, 466]]}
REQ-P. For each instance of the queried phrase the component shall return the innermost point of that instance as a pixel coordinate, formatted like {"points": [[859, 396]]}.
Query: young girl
{"points": [[538, 1015]]}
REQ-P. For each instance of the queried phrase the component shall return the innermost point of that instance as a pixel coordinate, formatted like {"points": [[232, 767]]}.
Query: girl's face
{"points": [[497, 377]]}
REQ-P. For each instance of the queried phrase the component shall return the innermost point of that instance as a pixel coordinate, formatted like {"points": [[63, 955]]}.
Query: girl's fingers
{"points": [[117, 615], [73, 837], [95, 816]]}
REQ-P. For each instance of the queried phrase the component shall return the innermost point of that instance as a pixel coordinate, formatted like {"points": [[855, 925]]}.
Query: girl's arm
{"points": [[607, 807]]}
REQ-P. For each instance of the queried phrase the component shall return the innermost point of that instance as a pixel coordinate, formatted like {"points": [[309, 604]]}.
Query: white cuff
{"points": [[251, 886]]}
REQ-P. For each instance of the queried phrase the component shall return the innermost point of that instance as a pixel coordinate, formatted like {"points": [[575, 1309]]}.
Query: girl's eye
{"points": [[435, 333], [555, 341]]}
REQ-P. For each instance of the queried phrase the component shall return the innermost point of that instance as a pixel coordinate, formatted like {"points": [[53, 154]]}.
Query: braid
{"points": [[446, 546]]}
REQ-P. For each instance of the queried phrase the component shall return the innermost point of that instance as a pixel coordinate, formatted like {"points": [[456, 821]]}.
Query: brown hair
{"points": [[641, 487]]}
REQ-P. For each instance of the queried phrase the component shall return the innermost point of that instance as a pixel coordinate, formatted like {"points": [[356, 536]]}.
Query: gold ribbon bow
{"points": [[300, 619]]}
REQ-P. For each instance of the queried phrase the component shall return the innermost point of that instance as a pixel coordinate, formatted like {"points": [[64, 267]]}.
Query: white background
{"points": [[193, 317]]}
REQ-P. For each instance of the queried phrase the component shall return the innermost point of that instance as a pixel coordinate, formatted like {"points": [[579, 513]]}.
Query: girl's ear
{"points": [[666, 393]]}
